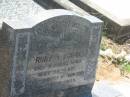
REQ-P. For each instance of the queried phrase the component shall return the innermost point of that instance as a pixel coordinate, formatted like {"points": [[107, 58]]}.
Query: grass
{"points": [[125, 65]]}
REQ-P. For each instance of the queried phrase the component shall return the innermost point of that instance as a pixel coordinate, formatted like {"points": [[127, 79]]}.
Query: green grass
{"points": [[124, 64]]}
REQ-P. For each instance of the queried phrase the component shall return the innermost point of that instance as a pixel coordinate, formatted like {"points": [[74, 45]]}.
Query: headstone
{"points": [[51, 54]]}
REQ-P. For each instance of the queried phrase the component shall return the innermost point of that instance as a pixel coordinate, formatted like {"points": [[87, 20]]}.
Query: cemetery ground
{"points": [[114, 60], [113, 72]]}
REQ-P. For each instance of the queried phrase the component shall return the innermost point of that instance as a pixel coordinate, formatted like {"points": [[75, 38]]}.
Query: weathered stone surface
{"points": [[12, 9], [48, 4], [115, 12], [71, 6], [51, 54], [118, 88], [106, 89]]}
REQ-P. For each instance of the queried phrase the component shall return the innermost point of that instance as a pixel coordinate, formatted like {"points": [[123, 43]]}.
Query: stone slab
{"points": [[71, 6], [117, 10], [105, 88], [48, 4], [18, 9]]}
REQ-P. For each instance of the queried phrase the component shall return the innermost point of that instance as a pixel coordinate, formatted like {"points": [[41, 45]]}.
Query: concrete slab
{"points": [[123, 87], [116, 10], [111, 89]]}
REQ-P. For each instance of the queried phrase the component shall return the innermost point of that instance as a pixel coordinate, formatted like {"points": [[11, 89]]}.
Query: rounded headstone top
{"points": [[32, 20]]}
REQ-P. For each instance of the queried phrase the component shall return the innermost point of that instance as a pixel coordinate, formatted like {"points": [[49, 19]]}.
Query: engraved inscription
{"points": [[43, 59], [61, 68]]}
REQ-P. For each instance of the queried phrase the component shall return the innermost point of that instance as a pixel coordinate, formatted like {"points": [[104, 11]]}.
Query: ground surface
{"points": [[107, 68], [111, 80]]}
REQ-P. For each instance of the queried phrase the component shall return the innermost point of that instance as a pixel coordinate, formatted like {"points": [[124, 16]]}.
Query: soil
{"points": [[106, 70]]}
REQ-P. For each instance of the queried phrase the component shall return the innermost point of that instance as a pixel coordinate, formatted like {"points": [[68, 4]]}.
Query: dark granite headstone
{"points": [[52, 54]]}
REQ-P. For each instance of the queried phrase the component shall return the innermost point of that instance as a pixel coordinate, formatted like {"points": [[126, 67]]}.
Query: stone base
{"points": [[80, 91]]}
